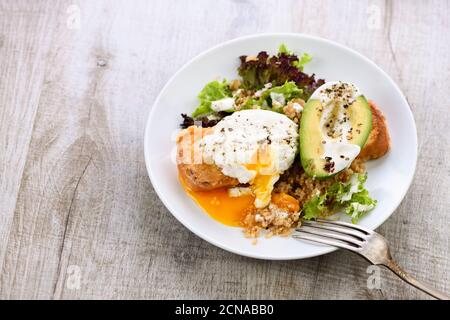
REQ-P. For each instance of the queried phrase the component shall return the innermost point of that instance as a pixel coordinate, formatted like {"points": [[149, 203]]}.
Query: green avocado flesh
{"points": [[312, 135]]}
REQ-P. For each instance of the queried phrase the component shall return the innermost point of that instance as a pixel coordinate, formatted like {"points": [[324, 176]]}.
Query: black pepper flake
{"points": [[329, 166], [203, 121], [342, 157]]}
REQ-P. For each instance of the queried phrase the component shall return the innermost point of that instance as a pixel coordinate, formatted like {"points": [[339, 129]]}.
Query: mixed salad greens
{"points": [[351, 197], [213, 91], [270, 82], [263, 77]]}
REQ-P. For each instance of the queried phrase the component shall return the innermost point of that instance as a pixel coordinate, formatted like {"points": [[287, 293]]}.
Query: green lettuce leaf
{"points": [[359, 205], [300, 63], [213, 91], [250, 103], [351, 197], [284, 49], [289, 90], [304, 59], [314, 207]]}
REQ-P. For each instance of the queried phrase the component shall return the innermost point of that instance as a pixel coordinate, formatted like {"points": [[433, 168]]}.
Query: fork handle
{"points": [[394, 267]]}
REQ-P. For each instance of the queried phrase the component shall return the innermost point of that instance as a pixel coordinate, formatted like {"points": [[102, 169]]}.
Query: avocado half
{"points": [[311, 137]]}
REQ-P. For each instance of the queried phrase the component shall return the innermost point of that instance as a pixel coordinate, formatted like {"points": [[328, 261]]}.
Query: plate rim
{"points": [[262, 35]]}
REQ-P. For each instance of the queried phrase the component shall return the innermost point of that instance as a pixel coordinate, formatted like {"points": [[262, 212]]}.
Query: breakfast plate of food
{"points": [[256, 135]]}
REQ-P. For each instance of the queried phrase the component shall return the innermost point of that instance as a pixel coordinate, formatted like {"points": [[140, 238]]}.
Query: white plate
{"points": [[388, 178]]}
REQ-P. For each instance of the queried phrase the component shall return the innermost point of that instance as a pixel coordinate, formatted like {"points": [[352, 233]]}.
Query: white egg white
{"points": [[253, 146]]}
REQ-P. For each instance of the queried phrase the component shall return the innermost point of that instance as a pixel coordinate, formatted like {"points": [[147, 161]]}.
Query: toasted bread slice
{"points": [[196, 175], [378, 143]]}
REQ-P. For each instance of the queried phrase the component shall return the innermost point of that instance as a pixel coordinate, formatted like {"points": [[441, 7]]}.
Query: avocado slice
{"points": [[314, 130]]}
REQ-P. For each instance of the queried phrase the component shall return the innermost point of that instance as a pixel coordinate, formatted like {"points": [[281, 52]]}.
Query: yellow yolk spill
{"points": [[285, 202], [220, 206], [262, 184], [262, 188]]}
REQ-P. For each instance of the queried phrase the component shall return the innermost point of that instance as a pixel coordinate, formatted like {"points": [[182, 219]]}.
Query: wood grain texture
{"points": [[75, 196]]}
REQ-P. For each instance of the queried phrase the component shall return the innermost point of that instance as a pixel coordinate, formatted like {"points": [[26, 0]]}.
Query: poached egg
{"points": [[253, 146]]}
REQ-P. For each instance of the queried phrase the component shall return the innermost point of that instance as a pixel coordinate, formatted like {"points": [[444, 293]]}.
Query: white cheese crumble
{"points": [[297, 107], [259, 93], [226, 104], [278, 99]]}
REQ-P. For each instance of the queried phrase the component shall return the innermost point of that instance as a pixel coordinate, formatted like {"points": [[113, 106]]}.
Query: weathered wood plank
{"points": [[25, 37]]}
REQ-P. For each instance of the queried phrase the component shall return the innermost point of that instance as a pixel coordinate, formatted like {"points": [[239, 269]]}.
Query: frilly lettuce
{"points": [[278, 69], [350, 197], [300, 63], [289, 90], [315, 207], [213, 91], [304, 59], [284, 49]]}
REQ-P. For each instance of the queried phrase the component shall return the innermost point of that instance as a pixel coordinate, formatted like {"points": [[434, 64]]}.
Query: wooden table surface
{"points": [[79, 217]]}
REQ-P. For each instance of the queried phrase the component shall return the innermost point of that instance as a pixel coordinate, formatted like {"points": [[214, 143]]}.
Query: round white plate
{"points": [[388, 178]]}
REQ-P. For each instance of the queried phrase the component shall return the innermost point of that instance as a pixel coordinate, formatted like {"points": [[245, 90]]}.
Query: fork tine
{"points": [[323, 240], [332, 234], [337, 228], [346, 224]]}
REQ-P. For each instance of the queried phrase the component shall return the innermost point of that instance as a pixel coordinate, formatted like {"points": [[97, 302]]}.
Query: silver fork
{"points": [[365, 242]]}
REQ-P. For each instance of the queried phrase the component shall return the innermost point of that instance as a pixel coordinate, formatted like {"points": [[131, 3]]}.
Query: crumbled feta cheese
{"points": [[297, 107], [259, 93], [278, 99], [223, 104]]}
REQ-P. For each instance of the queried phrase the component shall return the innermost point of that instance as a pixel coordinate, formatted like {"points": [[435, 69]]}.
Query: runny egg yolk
{"points": [[266, 176], [220, 206], [254, 147], [232, 210]]}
